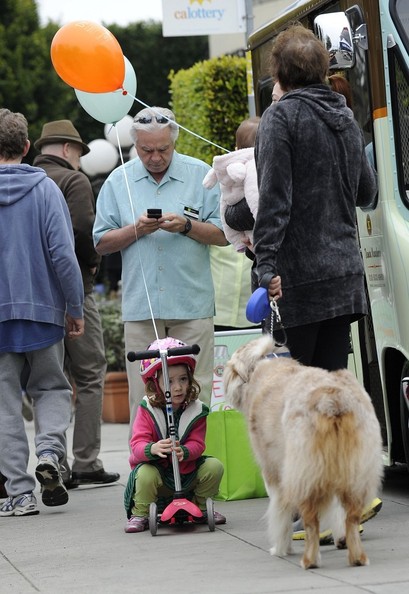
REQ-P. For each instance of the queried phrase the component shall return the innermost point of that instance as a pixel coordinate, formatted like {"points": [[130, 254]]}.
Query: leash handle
{"points": [[276, 325]]}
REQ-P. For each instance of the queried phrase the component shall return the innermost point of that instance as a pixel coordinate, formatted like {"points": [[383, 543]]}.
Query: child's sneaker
{"points": [[49, 476], [21, 505], [218, 518], [136, 524]]}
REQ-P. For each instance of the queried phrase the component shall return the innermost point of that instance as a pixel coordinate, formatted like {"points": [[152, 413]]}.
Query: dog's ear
{"points": [[245, 359], [235, 380]]}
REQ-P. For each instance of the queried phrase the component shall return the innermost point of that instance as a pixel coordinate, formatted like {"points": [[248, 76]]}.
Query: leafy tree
{"points": [[210, 99], [28, 81]]}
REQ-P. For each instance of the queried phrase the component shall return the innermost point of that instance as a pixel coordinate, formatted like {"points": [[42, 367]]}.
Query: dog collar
{"points": [[276, 355]]}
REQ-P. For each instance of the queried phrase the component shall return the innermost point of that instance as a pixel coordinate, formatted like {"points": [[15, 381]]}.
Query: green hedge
{"points": [[210, 99]]}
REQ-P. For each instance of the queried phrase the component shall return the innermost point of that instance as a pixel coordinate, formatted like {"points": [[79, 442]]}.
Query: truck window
{"points": [[399, 84], [400, 16]]}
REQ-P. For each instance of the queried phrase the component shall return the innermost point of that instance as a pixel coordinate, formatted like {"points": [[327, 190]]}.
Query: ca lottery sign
{"points": [[203, 17]]}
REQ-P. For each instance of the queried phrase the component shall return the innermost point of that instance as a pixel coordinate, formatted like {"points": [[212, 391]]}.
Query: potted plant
{"points": [[115, 407]]}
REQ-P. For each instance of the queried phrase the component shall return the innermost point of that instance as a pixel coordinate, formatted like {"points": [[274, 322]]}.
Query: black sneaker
{"points": [[98, 477], [3, 492]]}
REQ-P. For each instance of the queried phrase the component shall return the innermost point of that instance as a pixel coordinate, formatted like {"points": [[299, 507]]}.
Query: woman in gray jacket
{"points": [[312, 173]]}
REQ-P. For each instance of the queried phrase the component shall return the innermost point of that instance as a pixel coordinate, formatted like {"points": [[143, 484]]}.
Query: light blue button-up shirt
{"points": [[176, 268]]}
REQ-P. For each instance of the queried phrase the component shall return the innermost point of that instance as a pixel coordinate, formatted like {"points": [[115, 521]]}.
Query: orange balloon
{"points": [[88, 57]]}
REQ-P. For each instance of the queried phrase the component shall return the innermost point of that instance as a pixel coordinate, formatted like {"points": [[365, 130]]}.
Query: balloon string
{"points": [[182, 127], [136, 235]]}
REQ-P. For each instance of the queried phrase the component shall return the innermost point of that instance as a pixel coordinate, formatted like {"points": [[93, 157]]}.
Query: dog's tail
{"points": [[333, 447], [330, 402], [327, 452], [336, 433]]}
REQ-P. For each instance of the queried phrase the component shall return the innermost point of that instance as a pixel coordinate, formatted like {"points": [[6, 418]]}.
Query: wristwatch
{"points": [[188, 227]]}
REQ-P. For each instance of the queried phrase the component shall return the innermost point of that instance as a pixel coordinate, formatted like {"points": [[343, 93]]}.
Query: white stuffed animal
{"points": [[237, 175]]}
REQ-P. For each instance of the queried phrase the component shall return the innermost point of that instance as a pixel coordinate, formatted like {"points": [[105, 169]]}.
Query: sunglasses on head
{"points": [[148, 119]]}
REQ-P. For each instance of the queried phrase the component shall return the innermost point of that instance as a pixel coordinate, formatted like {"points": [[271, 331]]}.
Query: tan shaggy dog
{"points": [[317, 440]]}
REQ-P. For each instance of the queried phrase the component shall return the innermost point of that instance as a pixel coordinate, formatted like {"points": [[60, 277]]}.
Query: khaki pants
{"points": [[86, 366]]}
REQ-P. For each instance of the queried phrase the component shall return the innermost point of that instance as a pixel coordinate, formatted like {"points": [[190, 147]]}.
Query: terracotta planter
{"points": [[115, 406]]}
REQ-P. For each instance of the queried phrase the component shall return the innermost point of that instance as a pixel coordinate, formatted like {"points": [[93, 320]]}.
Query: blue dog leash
{"points": [[259, 307]]}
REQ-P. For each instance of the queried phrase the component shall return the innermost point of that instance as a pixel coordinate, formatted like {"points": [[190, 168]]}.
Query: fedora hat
{"points": [[60, 131]]}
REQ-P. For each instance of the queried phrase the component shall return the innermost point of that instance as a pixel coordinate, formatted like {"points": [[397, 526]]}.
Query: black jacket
{"points": [[312, 173], [79, 196]]}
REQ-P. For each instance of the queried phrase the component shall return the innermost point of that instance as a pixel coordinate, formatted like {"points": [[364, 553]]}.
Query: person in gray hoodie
{"points": [[41, 293], [312, 173]]}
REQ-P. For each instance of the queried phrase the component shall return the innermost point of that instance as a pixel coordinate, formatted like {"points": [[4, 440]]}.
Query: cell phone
{"points": [[154, 213]]}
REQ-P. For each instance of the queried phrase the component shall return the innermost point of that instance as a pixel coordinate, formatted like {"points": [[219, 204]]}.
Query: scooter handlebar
{"points": [[132, 356]]}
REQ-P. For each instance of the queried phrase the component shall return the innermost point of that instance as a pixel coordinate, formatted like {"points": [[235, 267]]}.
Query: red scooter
{"points": [[181, 510]]}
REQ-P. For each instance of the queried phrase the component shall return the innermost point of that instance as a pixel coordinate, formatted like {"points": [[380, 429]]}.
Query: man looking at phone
{"points": [[165, 261]]}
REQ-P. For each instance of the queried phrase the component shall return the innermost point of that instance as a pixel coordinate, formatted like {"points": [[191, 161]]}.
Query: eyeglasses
{"points": [[148, 119]]}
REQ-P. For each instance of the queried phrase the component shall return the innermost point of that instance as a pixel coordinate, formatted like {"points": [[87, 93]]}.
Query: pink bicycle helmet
{"points": [[150, 367]]}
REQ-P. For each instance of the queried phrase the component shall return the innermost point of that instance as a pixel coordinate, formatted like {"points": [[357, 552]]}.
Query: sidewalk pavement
{"points": [[82, 547]]}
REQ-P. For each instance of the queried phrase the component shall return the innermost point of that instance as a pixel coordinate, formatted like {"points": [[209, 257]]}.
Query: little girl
{"points": [[151, 446]]}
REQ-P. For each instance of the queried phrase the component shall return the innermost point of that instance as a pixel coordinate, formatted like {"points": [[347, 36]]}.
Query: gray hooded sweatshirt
{"points": [[312, 173]]}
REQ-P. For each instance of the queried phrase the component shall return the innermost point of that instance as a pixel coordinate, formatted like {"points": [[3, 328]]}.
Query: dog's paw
{"points": [[360, 561], [279, 552], [307, 563]]}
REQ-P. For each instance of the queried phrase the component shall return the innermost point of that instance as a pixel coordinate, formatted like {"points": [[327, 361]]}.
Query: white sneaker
{"points": [[21, 505], [48, 474]]}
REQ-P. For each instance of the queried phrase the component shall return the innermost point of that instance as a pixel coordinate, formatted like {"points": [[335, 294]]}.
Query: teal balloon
{"points": [[111, 107]]}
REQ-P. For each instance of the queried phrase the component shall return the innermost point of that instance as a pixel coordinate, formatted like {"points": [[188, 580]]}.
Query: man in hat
{"points": [[40, 292], [61, 147]]}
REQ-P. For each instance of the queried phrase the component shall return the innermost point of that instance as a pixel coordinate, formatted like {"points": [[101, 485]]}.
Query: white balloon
{"points": [[132, 153], [102, 157], [110, 107], [122, 128]]}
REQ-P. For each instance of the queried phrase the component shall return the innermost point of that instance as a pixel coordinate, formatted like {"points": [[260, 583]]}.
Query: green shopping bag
{"points": [[227, 439]]}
